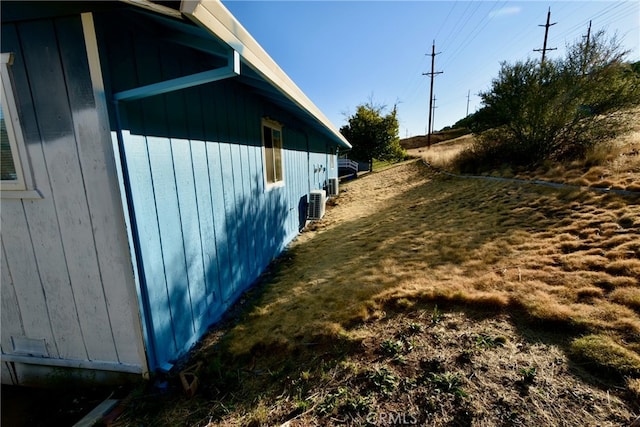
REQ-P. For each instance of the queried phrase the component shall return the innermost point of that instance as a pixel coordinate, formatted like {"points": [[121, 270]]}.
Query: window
{"points": [[272, 142], [12, 151]]}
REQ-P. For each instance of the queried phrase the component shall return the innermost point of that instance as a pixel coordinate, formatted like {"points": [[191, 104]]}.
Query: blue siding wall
{"points": [[207, 225]]}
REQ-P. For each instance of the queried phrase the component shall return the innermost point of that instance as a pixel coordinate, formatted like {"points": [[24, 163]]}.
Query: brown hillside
{"points": [[437, 137]]}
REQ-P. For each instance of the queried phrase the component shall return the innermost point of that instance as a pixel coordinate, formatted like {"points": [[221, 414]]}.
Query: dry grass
{"points": [[440, 155], [562, 256], [453, 301], [610, 164]]}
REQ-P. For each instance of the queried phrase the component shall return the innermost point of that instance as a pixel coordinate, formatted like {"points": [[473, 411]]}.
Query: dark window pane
{"points": [[7, 167]]}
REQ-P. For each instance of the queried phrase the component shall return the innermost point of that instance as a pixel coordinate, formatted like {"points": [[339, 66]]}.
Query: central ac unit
{"points": [[317, 199], [333, 187]]}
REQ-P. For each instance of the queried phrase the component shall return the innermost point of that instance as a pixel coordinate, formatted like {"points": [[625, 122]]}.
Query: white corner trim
{"points": [[95, 71]]}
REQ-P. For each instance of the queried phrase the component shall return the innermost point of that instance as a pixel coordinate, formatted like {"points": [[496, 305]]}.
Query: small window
{"points": [[12, 168], [272, 142]]}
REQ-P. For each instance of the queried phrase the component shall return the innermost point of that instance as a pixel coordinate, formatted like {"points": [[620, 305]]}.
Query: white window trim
{"points": [[274, 126], [22, 187]]}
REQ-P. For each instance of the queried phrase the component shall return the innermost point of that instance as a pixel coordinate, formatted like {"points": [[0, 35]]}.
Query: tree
{"points": [[557, 109], [374, 135]]}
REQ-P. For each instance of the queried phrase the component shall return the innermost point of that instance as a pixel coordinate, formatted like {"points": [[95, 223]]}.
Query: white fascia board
{"points": [[214, 17], [157, 8]]}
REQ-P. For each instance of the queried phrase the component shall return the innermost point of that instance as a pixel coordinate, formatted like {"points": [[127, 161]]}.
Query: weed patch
{"points": [[602, 352]]}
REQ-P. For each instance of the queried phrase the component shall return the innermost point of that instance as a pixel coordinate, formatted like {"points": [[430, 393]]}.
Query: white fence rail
{"points": [[347, 166]]}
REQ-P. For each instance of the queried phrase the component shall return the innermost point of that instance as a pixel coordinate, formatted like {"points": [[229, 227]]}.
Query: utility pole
{"points": [[468, 93], [586, 49], [546, 33], [432, 75], [588, 36], [433, 114]]}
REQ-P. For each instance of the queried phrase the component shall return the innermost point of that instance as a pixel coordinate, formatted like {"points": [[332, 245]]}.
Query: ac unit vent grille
{"points": [[317, 200], [333, 186]]}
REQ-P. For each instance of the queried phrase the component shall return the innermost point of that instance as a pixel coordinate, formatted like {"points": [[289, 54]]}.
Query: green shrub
{"points": [[555, 110]]}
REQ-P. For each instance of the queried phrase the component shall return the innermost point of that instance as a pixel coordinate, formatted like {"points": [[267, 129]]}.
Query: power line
{"points": [[610, 14], [471, 35], [461, 23], [446, 19]]}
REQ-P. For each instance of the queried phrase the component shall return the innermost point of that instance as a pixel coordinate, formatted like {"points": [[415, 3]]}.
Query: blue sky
{"points": [[346, 53]]}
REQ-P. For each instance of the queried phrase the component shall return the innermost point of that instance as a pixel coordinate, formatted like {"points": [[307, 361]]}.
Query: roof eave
{"points": [[213, 16]]}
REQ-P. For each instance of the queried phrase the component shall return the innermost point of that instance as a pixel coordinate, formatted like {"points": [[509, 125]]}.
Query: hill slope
{"points": [[437, 137], [437, 299]]}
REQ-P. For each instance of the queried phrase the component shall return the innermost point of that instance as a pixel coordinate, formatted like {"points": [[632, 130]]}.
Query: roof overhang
{"points": [[213, 16], [264, 75]]}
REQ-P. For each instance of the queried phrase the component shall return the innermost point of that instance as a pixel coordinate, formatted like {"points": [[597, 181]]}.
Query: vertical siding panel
{"points": [[231, 235], [214, 119], [298, 188], [42, 215], [238, 121], [267, 239], [289, 165], [290, 176], [49, 261], [10, 310], [98, 170], [236, 199], [254, 115], [265, 208], [240, 224], [254, 213], [32, 302], [295, 193], [207, 232], [199, 158], [193, 282], [247, 218], [219, 218], [51, 100], [253, 122], [155, 125], [291, 226], [168, 211], [45, 243], [190, 223], [150, 246]]}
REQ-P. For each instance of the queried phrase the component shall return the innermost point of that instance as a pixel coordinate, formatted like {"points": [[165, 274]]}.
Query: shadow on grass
{"points": [[478, 246], [411, 246]]}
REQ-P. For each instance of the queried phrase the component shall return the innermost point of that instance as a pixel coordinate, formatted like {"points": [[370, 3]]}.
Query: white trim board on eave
{"points": [[214, 17]]}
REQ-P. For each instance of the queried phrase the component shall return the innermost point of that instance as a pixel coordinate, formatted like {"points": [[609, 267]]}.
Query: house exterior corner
{"points": [[156, 210]]}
